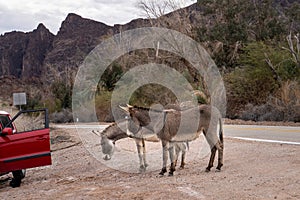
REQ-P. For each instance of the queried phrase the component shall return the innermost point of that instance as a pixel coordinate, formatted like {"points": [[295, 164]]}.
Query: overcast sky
{"points": [[25, 15]]}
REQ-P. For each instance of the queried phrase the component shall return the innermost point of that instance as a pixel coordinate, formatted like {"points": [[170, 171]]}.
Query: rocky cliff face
{"points": [[22, 54], [75, 39], [22, 57], [39, 44], [12, 48]]}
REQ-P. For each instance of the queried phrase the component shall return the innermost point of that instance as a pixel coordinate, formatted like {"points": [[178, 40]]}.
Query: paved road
{"points": [[81, 126], [276, 134]]}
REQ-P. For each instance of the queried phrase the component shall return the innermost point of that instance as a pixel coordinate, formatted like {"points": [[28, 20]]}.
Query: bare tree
{"points": [[168, 14], [273, 70], [172, 14], [294, 49], [156, 9], [156, 12]]}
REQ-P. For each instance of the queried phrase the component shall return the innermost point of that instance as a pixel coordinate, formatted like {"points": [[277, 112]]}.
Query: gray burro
{"points": [[178, 125]]}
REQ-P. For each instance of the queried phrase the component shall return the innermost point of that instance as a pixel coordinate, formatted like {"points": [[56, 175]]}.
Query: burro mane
{"points": [[167, 108]]}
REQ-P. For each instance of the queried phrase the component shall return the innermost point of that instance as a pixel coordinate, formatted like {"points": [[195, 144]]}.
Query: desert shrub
{"points": [[264, 112], [62, 94], [150, 94], [53, 105], [103, 105], [33, 101], [256, 79], [248, 86], [256, 54], [287, 99], [63, 116], [283, 106], [111, 76]]}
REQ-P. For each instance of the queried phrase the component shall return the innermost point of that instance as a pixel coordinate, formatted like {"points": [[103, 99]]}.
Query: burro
{"points": [[173, 125], [114, 133]]}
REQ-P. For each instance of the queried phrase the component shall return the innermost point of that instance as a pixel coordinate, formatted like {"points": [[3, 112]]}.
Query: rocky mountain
{"points": [[76, 38], [23, 54], [22, 57]]}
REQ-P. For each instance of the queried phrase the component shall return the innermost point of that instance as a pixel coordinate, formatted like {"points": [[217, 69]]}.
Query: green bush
{"points": [[250, 85], [255, 55], [62, 94], [33, 102], [103, 105], [255, 80], [111, 76]]}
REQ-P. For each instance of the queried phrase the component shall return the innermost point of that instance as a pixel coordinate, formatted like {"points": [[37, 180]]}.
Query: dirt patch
{"points": [[251, 170], [60, 139]]}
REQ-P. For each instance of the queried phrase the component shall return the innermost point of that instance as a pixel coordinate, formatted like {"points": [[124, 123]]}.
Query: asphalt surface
{"points": [[277, 134]]}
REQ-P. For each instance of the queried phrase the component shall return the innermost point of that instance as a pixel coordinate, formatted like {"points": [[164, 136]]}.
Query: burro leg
{"points": [[140, 150], [220, 148], [173, 160], [212, 158], [182, 159], [144, 154], [165, 148]]}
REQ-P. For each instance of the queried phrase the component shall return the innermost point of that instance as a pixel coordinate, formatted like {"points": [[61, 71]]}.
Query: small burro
{"points": [[114, 132]]}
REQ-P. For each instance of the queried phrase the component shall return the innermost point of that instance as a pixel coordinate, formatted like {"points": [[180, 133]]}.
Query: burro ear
{"points": [[169, 110], [129, 106], [124, 108], [97, 133]]}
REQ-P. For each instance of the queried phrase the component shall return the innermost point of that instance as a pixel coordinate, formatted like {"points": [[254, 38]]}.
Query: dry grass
{"points": [[289, 93], [283, 106]]}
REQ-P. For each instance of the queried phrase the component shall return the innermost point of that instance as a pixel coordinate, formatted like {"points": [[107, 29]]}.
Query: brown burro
{"points": [[173, 125]]}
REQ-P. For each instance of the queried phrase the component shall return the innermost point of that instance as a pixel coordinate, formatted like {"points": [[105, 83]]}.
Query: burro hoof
{"points": [[15, 183], [142, 169], [171, 173], [207, 169], [219, 167], [163, 171], [106, 157]]}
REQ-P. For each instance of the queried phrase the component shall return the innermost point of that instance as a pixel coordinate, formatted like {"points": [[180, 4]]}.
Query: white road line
{"points": [[82, 126], [263, 128], [263, 140]]}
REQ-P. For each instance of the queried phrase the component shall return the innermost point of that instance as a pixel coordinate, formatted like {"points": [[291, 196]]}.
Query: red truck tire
{"points": [[17, 178]]}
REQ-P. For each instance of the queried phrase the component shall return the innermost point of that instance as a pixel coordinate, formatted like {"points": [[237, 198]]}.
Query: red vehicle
{"points": [[25, 149]]}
